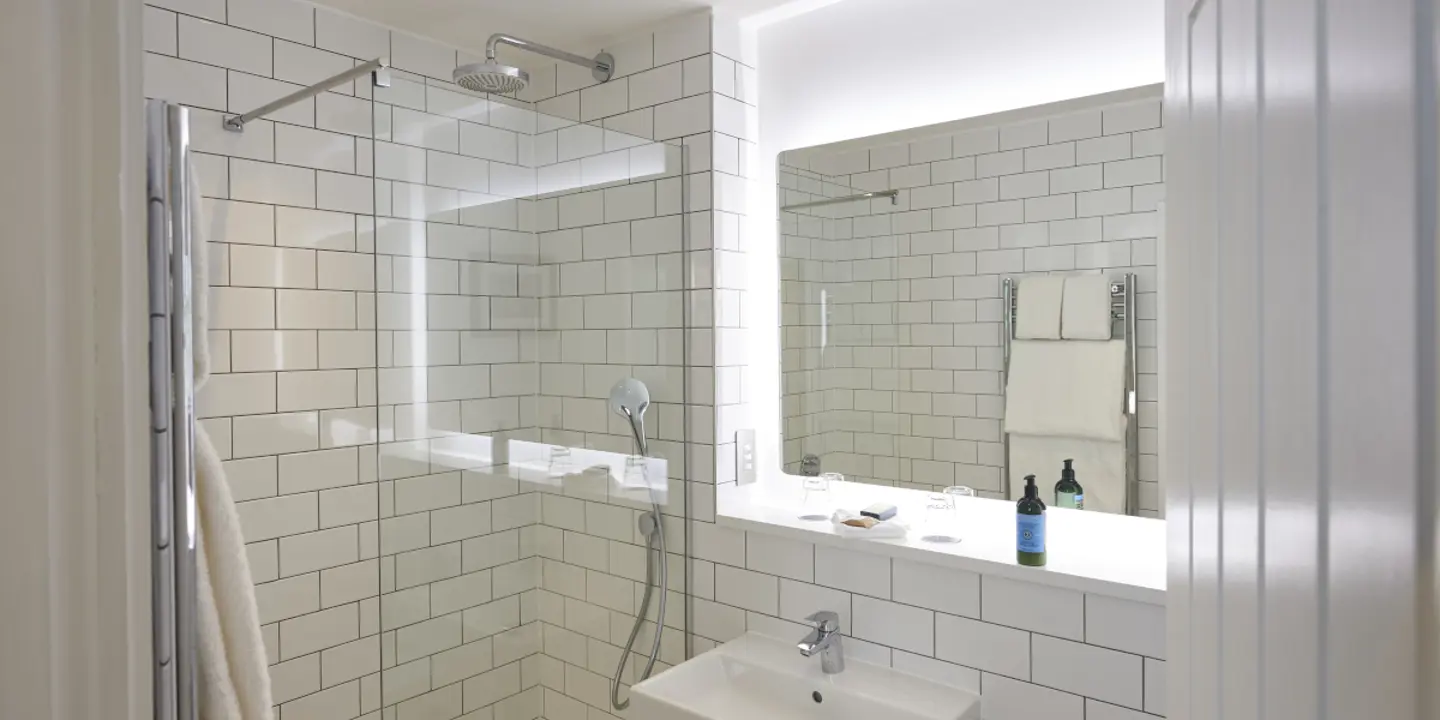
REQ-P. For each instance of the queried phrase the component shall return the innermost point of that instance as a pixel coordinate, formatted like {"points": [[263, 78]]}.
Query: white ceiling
{"points": [[579, 25]]}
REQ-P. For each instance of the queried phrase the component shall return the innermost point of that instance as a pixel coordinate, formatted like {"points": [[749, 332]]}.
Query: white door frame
{"points": [[74, 524]]}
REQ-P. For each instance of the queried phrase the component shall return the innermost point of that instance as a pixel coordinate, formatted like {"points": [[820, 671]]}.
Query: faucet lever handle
{"points": [[826, 621]]}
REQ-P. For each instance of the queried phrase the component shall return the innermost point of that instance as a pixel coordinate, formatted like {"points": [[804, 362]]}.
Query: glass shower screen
{"points": [[523, 264]]}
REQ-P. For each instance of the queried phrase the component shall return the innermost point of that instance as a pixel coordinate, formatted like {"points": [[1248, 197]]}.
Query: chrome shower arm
{"points": [[498, 38], [601, 63]]}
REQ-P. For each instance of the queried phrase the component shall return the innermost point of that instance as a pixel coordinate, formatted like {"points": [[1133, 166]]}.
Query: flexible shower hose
{"points": [[651, 540]]}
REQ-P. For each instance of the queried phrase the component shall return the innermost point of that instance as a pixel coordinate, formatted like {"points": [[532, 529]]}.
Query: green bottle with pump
{"points": [[1030, 526], [1068, 492]]}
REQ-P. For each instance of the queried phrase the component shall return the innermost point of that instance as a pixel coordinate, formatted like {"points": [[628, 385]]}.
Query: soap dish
{"points": [[940, 539]]}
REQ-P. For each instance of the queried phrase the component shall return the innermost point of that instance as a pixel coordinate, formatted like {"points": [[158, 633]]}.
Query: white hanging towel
{"points": [[1071, 388], [1099, 466], [1085, 312], [234, 680], [1037, 311]]}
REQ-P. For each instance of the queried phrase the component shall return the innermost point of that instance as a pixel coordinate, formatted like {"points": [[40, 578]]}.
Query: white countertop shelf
{"points": [[1113, 555]]}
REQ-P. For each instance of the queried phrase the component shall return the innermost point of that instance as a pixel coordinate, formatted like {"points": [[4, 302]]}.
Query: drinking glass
{"points": [[959, 491], [942, 514], [636, 472], [560, 461], [816, 503]]}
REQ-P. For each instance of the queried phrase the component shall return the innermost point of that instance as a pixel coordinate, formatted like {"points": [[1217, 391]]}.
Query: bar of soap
{"points": [[862, 522], [879, 511]]}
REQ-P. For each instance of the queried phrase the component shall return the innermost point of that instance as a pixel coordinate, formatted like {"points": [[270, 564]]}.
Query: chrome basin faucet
{"points": [[825, 640]]}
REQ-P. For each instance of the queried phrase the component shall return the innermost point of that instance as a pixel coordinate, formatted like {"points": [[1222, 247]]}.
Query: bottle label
{"points": [[1030, 533], [1079, 501]]}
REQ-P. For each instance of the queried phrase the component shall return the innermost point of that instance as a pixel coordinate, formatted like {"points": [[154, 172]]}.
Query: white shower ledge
{"points": [[1113, 555]]}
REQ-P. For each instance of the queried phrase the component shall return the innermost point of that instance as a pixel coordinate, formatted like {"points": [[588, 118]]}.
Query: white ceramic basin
{"points": [[759, 678]]}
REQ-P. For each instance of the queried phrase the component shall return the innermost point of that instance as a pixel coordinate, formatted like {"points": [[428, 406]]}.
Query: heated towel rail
{"points": [[172, 411]]}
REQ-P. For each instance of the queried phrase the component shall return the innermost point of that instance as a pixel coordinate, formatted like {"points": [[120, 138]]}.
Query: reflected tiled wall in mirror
{"points": [[901, 382]]}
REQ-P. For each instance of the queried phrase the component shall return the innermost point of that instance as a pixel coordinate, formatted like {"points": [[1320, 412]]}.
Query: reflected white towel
{"points": [[1099, 466], [234, 680], [1085, 312], [1037, 313], [1072, 388]]}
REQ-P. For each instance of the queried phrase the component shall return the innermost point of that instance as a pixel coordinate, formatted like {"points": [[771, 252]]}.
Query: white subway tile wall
{"points": [[392, 333], [295, 403], [901, 385], [1032, 650], [412, 290], [623, 282]]}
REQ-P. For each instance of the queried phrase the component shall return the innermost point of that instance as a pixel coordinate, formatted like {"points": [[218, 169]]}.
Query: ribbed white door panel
{"points": [[1298, 345]]}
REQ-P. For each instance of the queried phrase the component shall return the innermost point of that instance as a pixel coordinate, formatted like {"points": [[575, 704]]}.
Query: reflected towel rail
{"points": [[894, 196], [1123, 313]]}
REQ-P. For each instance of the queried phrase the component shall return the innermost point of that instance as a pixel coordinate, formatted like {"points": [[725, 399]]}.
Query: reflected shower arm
{"points": [[601, 66]]}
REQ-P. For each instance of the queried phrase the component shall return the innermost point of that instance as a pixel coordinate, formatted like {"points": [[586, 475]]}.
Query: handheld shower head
{"points": [[629, 398]]}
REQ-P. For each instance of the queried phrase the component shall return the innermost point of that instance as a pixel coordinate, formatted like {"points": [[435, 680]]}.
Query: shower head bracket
{"points": [[378, 70], [604, 67]]}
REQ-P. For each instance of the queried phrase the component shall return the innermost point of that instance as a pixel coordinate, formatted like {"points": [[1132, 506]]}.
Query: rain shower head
{"points": [[492, 77]]}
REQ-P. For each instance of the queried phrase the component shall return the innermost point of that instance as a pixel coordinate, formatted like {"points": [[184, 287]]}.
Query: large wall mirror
{"points": [[970, 303]]}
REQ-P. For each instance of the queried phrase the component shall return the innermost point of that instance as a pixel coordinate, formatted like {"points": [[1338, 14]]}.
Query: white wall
{"points": [[863, 67]]}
